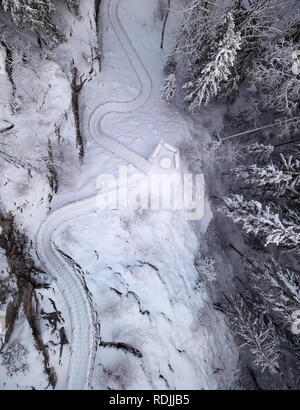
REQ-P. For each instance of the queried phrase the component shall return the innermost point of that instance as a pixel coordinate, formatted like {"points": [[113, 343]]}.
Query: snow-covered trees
{"points": [[221, 46], [253, 334], [254, 46], [291, 166], [270, 295], [15, 358], [195, 36], [277, 286], [277, 222], [260, 220], [169, 88], [269, 175], [280, 179], [217, 70], [262, 318], [74, 6], [39, 15], [274, 84], [258, 151], [195, 39]]}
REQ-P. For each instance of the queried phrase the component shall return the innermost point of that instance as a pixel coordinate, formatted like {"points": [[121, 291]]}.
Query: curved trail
{"points": [[85, 334], [124, 106]]}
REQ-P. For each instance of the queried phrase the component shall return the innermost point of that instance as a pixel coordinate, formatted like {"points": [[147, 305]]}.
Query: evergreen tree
{"points": [[269, 175], [291, 166], [282, 179], [169, 89], [253, 334], [196, 36], [217, 70], [202, 31], [206, 267], [254, 19], [274, 84], [74, 6], [258, 151], [258, 220], [38, 14]]}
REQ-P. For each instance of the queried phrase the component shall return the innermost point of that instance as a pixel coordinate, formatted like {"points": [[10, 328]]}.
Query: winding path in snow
{"points": [[122, 106], [85, 334]]}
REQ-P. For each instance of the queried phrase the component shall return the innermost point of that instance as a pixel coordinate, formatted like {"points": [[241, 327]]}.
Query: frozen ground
{"points": [[139, 265]]}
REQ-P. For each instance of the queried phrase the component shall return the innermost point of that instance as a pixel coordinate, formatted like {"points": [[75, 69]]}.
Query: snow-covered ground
{"points": [[43, 121], [139, 265]]}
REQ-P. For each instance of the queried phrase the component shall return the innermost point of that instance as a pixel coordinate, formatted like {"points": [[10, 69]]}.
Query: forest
{"points": [[246, 54], [231, 69]]}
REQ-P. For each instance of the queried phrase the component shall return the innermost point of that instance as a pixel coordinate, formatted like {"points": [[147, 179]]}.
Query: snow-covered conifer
{"points": [[269, 175], [260, 220], [38, 14], [206, 267], [254, 335], [274, 85], [258, 151], [277, 286], [201, 32], [217, 70], [195, 36], [169, 88], [74, 6]]}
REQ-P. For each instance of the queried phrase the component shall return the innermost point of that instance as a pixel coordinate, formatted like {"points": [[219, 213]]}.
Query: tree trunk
{"points": [[164, 25]]}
